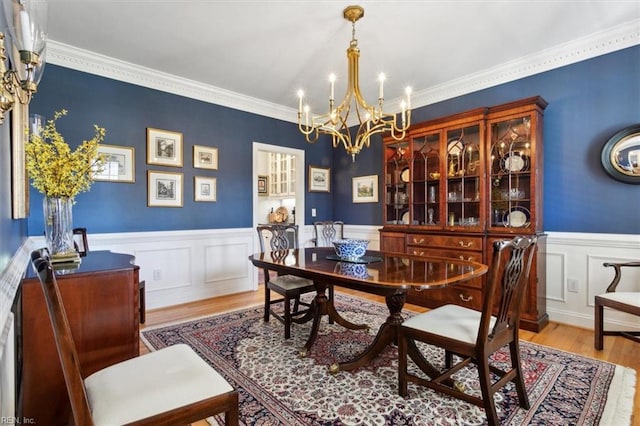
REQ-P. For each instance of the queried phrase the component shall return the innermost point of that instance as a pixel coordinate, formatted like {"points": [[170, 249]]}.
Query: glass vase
{"points": [[58, 225]]}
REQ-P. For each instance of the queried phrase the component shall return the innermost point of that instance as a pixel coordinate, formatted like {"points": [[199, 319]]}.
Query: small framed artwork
{"points": [[365, 189], [319, 179], [164, 189], [164, 148], [205, 157], [263, 186], [204, 188], [119, 165]]}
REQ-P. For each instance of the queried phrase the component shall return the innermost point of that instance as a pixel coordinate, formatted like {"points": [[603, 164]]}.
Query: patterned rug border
{"points": [[617, 411]]}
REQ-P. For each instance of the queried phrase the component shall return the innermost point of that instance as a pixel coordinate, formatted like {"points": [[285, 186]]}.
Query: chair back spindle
{"points": [[278, 237], [328, 231]]}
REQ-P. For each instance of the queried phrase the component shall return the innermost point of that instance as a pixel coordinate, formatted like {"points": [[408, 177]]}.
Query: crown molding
{"points": [[68, 56], [601, 43], [597, 44]]}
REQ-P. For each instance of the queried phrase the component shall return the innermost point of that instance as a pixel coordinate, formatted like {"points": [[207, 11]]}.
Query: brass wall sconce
{"points": [[26, 42]]}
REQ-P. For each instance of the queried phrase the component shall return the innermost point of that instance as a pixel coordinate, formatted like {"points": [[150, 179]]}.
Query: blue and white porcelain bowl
{"points": [[350, 249], [356, 270]]}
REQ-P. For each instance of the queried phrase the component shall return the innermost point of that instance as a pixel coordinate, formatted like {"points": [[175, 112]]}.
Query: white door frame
{"points": [[300, 189]]}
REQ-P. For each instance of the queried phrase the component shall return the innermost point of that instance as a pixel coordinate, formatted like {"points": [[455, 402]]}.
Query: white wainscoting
{"points": [[183, 266], [578, 258]]}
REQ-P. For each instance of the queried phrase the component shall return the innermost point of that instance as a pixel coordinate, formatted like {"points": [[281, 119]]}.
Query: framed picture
{"points": [[164, 148], [164, 189], [319, 179], [263, 186], [365, 189], [120, 164], [204, 188], [19, 176], [205, 157]]}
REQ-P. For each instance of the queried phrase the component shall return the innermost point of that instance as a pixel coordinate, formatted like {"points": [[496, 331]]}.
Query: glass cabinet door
{"points": [[464, 170], [396, 183], [425, 201], [511, 191]]}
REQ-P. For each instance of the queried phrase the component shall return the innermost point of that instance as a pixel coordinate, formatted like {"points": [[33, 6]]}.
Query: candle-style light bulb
{"points": [[381, 78], [300, 96], [25, 27], [306, 115], [408, 92], [332, 80]]}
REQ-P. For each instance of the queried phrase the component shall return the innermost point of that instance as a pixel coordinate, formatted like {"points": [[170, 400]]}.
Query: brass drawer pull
{"points": [[418, 253], [463, 244], [470, 258], [416, 241], [465, 299]]}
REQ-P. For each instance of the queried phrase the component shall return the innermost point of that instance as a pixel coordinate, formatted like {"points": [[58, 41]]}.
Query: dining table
{"points": [[386, 274]]}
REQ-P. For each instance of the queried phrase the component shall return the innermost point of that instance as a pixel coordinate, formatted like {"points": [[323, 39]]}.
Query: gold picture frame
{"points": [[319, 179], [365, 189], [164, 189], [204, 189], [119, 166], [164, 147], [205, 157]]}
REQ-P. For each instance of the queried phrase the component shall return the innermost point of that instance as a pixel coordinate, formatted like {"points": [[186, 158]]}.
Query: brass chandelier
{"points": [[371, 119], [26, 20]]}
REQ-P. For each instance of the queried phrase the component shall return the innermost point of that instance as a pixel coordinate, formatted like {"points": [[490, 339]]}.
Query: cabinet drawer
{"points": [[447, 241], [473, 256], [456, 295]]}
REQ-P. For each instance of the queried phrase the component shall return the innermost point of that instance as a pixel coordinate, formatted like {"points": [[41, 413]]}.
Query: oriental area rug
{"points": [[278, 388]]}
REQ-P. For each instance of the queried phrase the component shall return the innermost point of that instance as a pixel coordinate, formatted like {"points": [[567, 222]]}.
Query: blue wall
{"points": [[588, 102], [126, 110]]}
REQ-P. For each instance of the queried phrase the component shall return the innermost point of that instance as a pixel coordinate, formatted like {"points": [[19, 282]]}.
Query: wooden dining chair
{"points": [[279, 239], [166, 387], [622, 301], [81, 243], [327, 231], [473, 336]]}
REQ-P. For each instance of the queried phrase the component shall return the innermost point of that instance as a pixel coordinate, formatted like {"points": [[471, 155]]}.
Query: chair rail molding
{"points": [[184, 266]]}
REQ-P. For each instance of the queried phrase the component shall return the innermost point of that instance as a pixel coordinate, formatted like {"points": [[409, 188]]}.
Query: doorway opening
{"points": [[285, 179]]}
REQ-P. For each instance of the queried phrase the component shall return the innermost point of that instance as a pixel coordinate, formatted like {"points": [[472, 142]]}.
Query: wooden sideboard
{"points": [[101, 298]]}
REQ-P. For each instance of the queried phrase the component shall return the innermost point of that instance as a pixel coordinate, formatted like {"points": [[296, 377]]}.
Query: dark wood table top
{"points": [[385, 270]]}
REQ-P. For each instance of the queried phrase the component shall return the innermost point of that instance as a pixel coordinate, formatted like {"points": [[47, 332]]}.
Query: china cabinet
{"points": [[458, 183]]}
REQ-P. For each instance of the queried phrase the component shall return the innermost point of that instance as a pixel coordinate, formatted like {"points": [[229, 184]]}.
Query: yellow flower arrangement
{"points": [[55, 170]]}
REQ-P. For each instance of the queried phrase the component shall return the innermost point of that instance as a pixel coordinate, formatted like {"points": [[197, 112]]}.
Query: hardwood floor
{"points": [[617, 350]]}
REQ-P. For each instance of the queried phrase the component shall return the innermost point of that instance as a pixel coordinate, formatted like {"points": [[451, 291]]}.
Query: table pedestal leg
{"points": [[321, 305], [387, 334]]}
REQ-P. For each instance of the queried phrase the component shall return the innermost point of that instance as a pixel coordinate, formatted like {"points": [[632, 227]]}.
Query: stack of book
{"points": [[65, 259]]}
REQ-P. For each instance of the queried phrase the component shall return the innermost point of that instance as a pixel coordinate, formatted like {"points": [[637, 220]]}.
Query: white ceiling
{"points": [[264, 51]]}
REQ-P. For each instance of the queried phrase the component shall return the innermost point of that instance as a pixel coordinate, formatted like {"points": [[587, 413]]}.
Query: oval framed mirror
{"points": [[620, 156]]}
